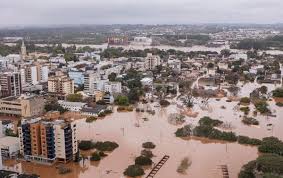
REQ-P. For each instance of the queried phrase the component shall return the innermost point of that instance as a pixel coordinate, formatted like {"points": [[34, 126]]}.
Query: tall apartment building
{"points": [[24, 105], [4, 62], [61, 85], [151, 61], [32, 75], [1, 163], [48, 141], [10, 84], [90, 79]]}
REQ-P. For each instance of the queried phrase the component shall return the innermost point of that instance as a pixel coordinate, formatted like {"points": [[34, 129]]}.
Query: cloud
{"points": [[38, 12]]}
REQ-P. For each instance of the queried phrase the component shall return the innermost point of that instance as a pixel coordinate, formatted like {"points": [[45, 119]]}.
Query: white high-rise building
{"points": [[42, 72], [1, 163], [90, 79], [151, 61], [33, 74], [66, 144], [1, 131], [113, 87]]}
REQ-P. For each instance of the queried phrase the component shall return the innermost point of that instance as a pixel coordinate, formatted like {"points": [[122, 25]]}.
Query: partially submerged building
{"points": [[46, 141]]}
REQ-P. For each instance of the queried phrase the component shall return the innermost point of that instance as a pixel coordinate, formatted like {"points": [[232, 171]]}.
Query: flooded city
{"points": [[130, 130], [141, 101]]}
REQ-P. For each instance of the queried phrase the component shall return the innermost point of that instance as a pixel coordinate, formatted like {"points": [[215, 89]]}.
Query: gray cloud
{"points": [[41, 12]]}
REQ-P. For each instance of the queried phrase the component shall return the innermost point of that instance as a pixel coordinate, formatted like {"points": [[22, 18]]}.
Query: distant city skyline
{"points": [[62, 12]]}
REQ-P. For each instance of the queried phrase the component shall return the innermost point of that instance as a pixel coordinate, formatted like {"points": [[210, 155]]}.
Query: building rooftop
{"points": [[95, 109], [8, 141]]}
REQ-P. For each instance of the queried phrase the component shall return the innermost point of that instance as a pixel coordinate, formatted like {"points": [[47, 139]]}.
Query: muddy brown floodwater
{"points": [[129, 130]]}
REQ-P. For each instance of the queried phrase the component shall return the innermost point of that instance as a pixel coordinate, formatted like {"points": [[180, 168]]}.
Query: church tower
{"points": [[23, 51]]}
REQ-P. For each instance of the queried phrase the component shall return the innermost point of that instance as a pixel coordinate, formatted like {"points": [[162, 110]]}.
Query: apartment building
{"points": [[77, 76], [151, 61], [33, 74], [24, 105], [47, 142], [61, 85], [113, 87], [10, 84], [89, 82]]}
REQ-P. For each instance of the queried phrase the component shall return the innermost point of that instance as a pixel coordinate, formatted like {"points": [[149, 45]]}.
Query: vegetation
{"points": [[250, 121], [122, 100], [101, 102], [278, 93], [86, 145], [102, 154], [248, 141], [184, 165], [75, 97], [247, 170], [91, 119], [6, 50], [125, 108], [134, 171], [164, 103], [70, 57], [10, 132], [188, 101], [249, 44], [95, 156], [106, 146], [206, 129], [148, 145], [112, 77], [212, 133], [101, 146], [246, 110], [262, 107], [271, 145], [143, 161], [266, 164], [225, 52], [104, 113], [53, 105], [184, 131], [147, 153], [207, 121], [245, 100]]}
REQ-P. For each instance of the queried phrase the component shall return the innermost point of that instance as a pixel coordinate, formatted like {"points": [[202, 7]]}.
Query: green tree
{"points": [[75, 97], [134, 171], [122, 100], [225, 52], [112, 77]]}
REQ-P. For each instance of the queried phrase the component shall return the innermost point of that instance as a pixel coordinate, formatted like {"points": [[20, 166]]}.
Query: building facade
{"points": [[10, 84], [25, 105], [152, 61], [48, 141], [61, 85]]}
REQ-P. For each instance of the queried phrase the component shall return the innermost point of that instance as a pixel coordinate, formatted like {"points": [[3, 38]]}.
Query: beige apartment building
{"points": [[61, 85], [24, 105], [46, 141]]}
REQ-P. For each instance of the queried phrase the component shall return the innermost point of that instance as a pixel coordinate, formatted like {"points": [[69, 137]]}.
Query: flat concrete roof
{"points": [[8, 141]]}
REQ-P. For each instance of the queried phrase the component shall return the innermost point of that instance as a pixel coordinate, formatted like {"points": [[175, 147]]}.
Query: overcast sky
{"points": [[43, 12]]}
